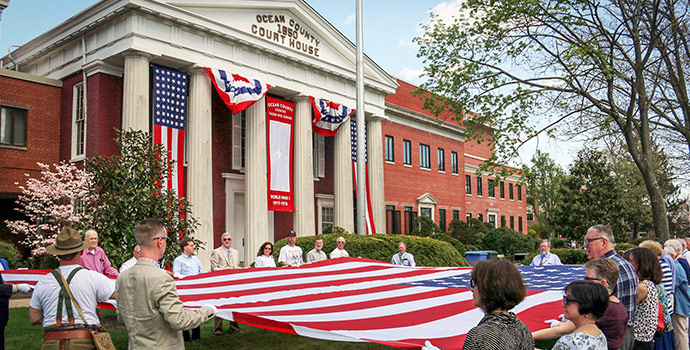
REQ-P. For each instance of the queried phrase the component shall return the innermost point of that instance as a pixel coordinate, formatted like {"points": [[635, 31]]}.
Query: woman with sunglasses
{"points": [[647, 311], [264, 257], [584, 302], [497, 287]]}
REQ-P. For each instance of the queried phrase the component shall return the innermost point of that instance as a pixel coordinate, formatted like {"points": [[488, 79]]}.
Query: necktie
{"points": [[541, 262], [230, 263]]}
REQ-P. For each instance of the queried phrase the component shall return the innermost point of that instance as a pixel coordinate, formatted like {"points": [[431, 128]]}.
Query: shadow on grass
{"points": [[19, 334]]}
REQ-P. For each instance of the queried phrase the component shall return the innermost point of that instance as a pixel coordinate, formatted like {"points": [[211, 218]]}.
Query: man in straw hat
{"points": [[52, 306], [147, 300]]}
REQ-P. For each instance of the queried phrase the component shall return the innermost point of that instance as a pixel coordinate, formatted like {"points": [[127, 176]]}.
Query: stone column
{"points": [[135, 92], [256, 181], [199, 160], [304, 218], [376, 184], [342, 179]]}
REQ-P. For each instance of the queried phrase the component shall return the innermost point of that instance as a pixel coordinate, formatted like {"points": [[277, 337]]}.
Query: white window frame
{"points": [[238, 143], [77, 105], [319, 156], [323, 200]]}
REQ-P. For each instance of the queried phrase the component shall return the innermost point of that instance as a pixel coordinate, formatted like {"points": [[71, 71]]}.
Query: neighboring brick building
{"points": [[430, 170], [29, 133]]}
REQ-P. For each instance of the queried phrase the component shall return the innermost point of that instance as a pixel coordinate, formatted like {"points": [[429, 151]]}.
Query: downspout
{"points": [[84, 78]]}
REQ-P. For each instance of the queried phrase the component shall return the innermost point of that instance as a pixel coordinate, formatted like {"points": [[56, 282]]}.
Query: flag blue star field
{"points": [[169, 120], [360, 300]]}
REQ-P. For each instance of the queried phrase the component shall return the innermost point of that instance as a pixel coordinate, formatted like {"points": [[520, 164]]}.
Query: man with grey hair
{"points": [[599, 243], [685, 242], [545, 256], [222, 258], [403, 258]]}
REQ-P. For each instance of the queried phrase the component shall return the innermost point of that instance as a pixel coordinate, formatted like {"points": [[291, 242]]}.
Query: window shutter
{"points": [[321, 145], [237, 142]]}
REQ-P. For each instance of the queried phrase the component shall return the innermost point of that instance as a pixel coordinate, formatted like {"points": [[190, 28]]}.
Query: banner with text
{"points": [[280, 117]]}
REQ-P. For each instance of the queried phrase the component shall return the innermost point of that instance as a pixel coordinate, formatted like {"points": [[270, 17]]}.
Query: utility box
{"points": [[475, 256]]}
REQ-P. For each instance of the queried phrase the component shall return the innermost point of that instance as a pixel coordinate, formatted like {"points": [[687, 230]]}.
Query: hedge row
{"points": [[576, 256], [381, 247]]}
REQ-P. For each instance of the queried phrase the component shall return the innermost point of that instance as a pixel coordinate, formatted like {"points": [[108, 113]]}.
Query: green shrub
{"points": [[381, 247], [637, 241], [624, 246], [559, 243], [335, 229], [454, 242], [567, 256], [471, 233], [471, 248], [425, 227], [42, 262], [9, 252], [508, 241]]}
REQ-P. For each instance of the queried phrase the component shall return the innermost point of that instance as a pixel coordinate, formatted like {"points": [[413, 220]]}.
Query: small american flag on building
{"points": [[353, 138], [169, 120], [361, 300]]}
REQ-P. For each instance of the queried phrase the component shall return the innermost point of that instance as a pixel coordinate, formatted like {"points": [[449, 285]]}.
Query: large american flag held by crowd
{"points": [[361, 300], [353, 142], [169, 120]]}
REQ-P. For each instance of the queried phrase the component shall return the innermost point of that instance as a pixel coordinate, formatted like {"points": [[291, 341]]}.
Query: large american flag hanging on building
{"points": [[353, 138], [169, 120], [328, 116], [361, 300]]}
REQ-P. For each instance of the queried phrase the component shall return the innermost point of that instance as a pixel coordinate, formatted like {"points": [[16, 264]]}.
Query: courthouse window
{"points": [[78, 122], [441, 160], [13, 126], [479, 186], [390, 156], [519, 191], [424, 156], [468, 184], [454, 162], [503, 190], [407, 152], [510, 191], [319, 155], [491, 188]]}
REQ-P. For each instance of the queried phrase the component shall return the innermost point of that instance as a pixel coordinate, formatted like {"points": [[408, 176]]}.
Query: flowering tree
{"points": [[55, 199]]}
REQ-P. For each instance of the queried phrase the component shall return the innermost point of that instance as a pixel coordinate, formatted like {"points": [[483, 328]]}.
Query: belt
{"points": [[73, 334]]}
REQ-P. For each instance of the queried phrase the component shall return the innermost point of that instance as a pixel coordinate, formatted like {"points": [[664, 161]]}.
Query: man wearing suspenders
{"points": [[52, 305]]}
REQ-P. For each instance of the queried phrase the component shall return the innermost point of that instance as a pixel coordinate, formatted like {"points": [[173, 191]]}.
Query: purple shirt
{"points": [[96, 260]]}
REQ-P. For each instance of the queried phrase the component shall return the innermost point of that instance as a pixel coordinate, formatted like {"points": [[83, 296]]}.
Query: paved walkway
{"points": [[19, 302]]}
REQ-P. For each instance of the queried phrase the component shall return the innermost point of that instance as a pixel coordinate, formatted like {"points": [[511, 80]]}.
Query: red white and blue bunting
{"points": [[328, 116], [237, 92]]}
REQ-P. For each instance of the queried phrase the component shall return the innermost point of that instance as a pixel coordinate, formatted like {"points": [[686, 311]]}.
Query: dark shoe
{"points": [[218, 332], [234, 326]]}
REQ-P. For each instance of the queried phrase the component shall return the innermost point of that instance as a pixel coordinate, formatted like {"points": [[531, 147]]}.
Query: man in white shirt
{"points": [[316, 254], [136, 254], [403, 258], [88, 288], [545, 257], [291, 255], [339, 251]]}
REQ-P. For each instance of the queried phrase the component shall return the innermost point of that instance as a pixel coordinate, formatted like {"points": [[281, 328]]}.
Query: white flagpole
{"points": [[361, 218]]}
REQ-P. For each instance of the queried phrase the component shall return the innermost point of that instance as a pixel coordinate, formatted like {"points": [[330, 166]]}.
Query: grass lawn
{"points": [[19, 334]]}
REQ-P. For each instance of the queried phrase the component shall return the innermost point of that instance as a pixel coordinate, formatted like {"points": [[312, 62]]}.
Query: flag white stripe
{"points": [[166, 145], [173, 155]]}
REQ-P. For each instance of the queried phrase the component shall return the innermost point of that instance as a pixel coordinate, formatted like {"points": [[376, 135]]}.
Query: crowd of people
{"points": [[637, 299]]}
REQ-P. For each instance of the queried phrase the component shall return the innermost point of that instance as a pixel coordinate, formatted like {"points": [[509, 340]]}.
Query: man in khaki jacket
{"points": [[147, 300], [223, 258]]}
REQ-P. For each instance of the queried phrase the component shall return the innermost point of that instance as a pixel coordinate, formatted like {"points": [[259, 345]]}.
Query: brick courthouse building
{"points": [[92, 73]]}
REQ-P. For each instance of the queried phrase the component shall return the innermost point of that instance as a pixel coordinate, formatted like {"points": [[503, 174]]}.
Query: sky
{"points": [[389, 29]]}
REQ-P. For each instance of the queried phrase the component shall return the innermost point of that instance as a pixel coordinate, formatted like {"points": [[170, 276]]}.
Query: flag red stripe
{"points": [[179, 166], [168, 148]]}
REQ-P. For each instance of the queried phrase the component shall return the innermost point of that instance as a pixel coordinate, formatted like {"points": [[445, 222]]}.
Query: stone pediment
{"points": [[290, 27], [427, 198]]}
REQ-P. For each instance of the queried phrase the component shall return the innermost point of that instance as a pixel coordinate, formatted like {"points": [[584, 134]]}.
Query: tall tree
{"points": [[593, 197], [592, 63], [543, 178]]}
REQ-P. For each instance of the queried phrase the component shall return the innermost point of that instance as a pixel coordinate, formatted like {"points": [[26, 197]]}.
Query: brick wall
{"points": [[42, 103]]}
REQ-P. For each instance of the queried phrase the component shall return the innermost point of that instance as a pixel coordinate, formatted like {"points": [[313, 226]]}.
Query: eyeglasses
{"points": [[340, 242], [227, 239], [159, 238], [567, 300], [269, 248], [590, 240], [593, 279], [472, 284]]}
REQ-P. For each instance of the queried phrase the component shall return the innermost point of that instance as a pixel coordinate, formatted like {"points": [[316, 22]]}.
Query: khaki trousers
{"points": [[680, 331], [69, 344]]}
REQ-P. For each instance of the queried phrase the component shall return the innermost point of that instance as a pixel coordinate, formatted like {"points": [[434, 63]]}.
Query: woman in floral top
{"points": [[584, 303], [647, 312]]}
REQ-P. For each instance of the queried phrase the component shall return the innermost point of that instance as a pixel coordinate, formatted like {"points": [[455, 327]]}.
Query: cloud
{"points": [[404, 42], [410, 74], [350, 19], [448, 10]]}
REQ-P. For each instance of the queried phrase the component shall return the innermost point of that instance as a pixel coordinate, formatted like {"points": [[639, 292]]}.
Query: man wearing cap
{"points": [[223, 258], [291, 255], [147, 300], [63, 324]]}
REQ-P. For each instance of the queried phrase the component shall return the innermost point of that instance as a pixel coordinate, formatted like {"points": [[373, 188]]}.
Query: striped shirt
{"points": [[667, 282]]}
